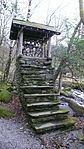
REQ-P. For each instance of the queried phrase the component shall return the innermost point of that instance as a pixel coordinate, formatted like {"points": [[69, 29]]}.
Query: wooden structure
{"points": [[34, 75], [33, 39]]}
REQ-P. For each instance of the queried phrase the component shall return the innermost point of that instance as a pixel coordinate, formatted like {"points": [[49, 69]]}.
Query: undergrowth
{"points": [[5, 92], [5, 113]]}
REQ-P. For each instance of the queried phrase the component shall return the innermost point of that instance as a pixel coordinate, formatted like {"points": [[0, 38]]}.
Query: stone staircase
{"points": [[37, 95]]}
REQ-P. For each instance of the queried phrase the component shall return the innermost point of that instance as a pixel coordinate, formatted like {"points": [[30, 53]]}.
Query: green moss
{"points": [[67, 89], [73, 105], [62, 125], [78, 85], [74, 84], [5, 113], [65, 93], [77, 108], [5, 92], [80, 136], [4, 85], [82, 140]]}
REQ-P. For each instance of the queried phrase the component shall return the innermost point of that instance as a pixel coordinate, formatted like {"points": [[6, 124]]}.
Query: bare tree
{"points": [[81, 9], [64, 60], [29, 9], [7, 11]]}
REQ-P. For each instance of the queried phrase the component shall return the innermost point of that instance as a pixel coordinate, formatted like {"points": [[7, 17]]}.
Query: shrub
{"points": [[5, 113], [5, 92]]}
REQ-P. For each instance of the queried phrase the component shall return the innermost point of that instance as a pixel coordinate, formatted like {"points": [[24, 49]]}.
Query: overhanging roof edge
{"points": [[35, 25]]}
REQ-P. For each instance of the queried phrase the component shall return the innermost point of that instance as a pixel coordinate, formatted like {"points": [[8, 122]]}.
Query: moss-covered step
{"points": [[54, 125], [34, 67], [40, 95], [24, 78], [37, 89], [36, 60], [47, 113], [46, 65], [30, 72], [32, 75], [58, 117], [34, 98], [37, 78], [61, 114], [36, 81], [42, 106]]}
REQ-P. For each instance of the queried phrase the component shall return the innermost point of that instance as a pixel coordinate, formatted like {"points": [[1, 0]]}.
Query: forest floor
{"points": [[16, 133]]}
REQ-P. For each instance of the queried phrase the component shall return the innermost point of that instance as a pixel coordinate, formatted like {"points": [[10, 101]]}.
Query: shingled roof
{"points": [[32, 30]]}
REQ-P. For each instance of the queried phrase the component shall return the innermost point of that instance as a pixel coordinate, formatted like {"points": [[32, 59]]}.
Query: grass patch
{"points": [[73, 84], [5, 113], [5, 92]]}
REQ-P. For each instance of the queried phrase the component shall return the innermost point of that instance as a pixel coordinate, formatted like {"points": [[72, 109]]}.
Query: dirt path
{"points": [[15, 133], [13, 136]]}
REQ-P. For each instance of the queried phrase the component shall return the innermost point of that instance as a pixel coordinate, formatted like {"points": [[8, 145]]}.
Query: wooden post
{"points": [[45, 51], [43, 47], [49, 48], [19, 44]]}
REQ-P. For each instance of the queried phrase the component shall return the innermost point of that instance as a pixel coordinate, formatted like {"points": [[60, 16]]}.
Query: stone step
{"points": [[36, 61], [32, 71], [36, 79], [23, 72], [33, 67], [37, 89], [43, 106], [40, 95], [54, 125], [47, 113], [36, 76], [36, 82], [34, 98], [40, 71], [46, 65], [27, 58], [32, 78], [58, 117], [36, 67]]}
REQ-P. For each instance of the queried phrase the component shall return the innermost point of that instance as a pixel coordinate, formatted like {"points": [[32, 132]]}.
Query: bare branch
{"points": [[73, 35]]}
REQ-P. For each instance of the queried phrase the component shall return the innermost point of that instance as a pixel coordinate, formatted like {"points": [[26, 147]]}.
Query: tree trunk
{"points": [[59, 69], [81, 9], [73, 35], [29, 9], [7, 68], [64, 60]]}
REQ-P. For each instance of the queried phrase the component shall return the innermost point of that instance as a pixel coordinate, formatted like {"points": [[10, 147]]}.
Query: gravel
{"points": [[13, 135], [16, 134], [65, 140]]}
